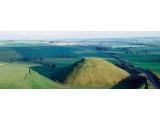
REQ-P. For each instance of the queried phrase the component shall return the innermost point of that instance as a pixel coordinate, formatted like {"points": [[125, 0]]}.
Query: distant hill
{"points": [[94, 73]]}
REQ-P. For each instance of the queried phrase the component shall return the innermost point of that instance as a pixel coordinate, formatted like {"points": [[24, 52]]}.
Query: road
{"points": [[154, 81], [150, 76]]}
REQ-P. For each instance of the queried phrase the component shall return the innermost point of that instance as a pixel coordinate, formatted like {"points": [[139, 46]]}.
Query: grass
{"points": [[19, 52], [153, 66], [8, 54], [13, 76], [61, 62], [94, 73], [144, 60]]}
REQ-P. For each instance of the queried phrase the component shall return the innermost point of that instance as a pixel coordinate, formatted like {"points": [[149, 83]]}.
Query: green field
{"points": [[146, 61], [13, 76], [36, 64]]}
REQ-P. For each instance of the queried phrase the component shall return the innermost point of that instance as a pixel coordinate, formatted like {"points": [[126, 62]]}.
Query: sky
{"points": [[44, 35]]}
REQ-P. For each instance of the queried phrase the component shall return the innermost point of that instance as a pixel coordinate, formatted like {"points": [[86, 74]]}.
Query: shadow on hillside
{"points": [[132, 82], [60, 74]]}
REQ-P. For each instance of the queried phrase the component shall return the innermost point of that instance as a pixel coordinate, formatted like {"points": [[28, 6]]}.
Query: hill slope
{"points": [[15, 75], [94, 73]]}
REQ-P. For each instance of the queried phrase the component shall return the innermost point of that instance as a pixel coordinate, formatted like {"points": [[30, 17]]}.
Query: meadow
{"points": [[17, 75], [37, 65], [147, 58]]}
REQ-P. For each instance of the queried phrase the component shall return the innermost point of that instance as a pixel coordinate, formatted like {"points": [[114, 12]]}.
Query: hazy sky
{"points": [[10, 35]]}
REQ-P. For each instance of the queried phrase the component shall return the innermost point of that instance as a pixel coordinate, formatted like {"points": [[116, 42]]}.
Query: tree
{"points": [[53, 65]]}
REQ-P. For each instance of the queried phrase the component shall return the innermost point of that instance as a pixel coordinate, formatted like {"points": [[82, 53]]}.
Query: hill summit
{"points": [[94, 73]]}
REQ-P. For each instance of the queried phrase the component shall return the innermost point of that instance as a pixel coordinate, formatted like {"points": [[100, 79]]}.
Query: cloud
{"points": [[36, 35]]}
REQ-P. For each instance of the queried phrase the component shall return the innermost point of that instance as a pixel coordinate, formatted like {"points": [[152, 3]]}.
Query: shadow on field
{"points": [[132, 82], [45, 71], [52, 73]]}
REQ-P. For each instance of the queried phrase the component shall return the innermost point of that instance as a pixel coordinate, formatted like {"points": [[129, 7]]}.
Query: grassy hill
{"points": [[94, 73], [16, 75]]}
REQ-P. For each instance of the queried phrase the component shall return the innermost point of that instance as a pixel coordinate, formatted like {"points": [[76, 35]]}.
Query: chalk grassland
{"points": [[94, 72], [16, 75]]}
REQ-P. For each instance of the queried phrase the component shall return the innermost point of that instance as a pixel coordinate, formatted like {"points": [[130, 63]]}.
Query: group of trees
{"points": [[38, 60], [101, 48], [26, 58], [34, 58], [156, 60]]}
